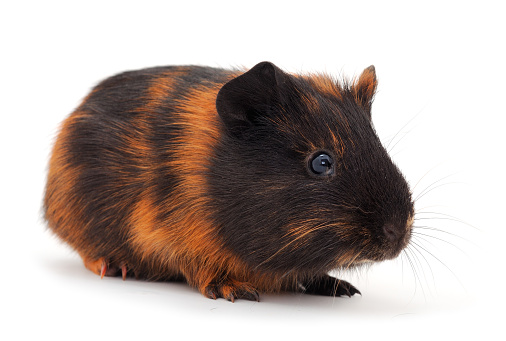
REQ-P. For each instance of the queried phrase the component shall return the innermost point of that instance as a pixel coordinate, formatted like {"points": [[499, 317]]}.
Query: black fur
{"points": [[261, 184]]}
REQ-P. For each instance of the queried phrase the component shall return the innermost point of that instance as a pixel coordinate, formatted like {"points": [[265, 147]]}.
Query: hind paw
{"points": [[231, 290], [103, 267]]}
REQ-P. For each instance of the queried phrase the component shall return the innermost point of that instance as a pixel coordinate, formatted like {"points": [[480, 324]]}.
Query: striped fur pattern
{"points": [[204, 174]]}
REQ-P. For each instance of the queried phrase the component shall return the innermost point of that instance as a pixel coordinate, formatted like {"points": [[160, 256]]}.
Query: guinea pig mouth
{"points": [[389, 245], [395, 250], [396, 239], [380, 250]]}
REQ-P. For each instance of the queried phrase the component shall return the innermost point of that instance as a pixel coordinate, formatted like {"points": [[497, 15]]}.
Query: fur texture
{"points": [[205, 175]]}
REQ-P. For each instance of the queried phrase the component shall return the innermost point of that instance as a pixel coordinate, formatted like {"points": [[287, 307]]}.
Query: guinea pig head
{"points": [[299, 180]]}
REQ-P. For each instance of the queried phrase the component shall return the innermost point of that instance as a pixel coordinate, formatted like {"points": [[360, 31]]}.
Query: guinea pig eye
{"points": [[321, 164]]}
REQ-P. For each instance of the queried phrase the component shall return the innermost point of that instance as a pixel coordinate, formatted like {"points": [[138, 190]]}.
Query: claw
{"points": [[123, 271], [211, 292], [103, 270], [252, 296]]}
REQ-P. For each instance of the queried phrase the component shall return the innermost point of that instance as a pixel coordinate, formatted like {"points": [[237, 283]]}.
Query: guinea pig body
{"points": [[237, 182]]}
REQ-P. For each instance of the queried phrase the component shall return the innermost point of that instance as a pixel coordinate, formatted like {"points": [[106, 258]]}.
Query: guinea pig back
{"points": [[236, 182]]}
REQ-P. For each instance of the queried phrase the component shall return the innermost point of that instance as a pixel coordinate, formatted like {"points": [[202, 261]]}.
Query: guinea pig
{"points": [[236, 182]]}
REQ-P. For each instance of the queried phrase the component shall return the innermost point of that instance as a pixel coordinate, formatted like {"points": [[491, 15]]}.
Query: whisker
{"points": [[432, 212], [418, 264], [423, 176], [433, 183], [415, 275], [450, 219], [318, 227], [402, 266], [405, 254], [429, 206], [427, 190], [399, 140], [424, 227], [428, 264], [421, 237], [404, 126], [444, 214], [442, 263], [442, 240], [427, 227]]}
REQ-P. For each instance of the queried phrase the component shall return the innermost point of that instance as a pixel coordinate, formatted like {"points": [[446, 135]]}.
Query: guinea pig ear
{"points": [[365, 88], [246, 98]]}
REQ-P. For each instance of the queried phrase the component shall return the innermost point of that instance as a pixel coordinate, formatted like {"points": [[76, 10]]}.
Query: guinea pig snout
{"points": [[393, 233], [397, 237]]}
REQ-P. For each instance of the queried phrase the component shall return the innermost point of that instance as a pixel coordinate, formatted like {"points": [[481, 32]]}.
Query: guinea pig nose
{"points": [[391, 232]]}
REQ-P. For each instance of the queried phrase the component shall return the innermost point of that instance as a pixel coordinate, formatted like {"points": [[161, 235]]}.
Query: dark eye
{"points": [[321, 164]]}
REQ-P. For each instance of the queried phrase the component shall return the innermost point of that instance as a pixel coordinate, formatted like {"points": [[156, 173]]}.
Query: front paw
{"points": [[231, 290], [328, 286]]}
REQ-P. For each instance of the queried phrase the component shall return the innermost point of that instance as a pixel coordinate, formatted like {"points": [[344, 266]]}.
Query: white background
{"points": [[440, 106]]}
